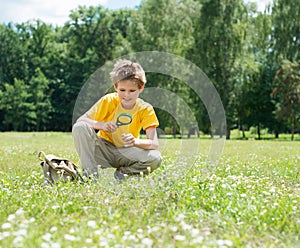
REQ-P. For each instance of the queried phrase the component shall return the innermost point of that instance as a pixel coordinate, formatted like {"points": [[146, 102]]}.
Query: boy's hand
{"points": [[109, 127], [129, 140]]}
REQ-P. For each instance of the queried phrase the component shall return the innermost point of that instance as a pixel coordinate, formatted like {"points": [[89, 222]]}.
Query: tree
{"points": [[218, 35], [254, 77], [36, 38], [164, 26], [287, 81], [19, 113], [40, 96], [26, 107], [11, 60], [285, 38]]}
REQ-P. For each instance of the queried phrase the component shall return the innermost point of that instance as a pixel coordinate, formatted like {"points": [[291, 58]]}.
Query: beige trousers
{"points": [[96, 152]]}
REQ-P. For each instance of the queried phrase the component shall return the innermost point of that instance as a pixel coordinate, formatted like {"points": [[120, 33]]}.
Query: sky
{"points": [[57, 12], [52, 11]]}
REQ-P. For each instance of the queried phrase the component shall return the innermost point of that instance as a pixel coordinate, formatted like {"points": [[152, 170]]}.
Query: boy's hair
{"points": [[127, 70]]}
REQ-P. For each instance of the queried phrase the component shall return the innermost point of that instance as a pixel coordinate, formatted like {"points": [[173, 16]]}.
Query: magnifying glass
{"points": [[124, 119]]}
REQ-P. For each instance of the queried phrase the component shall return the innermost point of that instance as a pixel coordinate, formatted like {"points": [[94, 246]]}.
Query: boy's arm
{"points": [[105, 126], [150, 143]]}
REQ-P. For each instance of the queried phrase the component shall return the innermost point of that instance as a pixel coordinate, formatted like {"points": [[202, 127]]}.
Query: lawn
{"points": [[251, 198]]}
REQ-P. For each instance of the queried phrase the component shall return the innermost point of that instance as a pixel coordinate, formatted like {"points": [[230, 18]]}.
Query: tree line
{"points": [[251, 57]]}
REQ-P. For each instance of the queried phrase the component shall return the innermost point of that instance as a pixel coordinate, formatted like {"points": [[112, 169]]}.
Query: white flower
{"points": [[92, 224], [45, 245], [147, 241], [180, 217], [103, 243], [225, 242], [88, 241], [263, 212], [20, 211], [153, 229], [31, 220], [194, 232], [186, 226], [206, 231], [18, 239], [6, 225], [132, 237], [11, 217], [127, 233], [110, 236], [4, 235], [55, 245], [70, 237], [21, 232], [198, 239], [47, 237], [85, 208], [53, 229], [179, 237]]}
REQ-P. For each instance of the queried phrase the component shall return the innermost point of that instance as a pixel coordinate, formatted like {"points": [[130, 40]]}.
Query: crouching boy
{"points": [[114, 145]]}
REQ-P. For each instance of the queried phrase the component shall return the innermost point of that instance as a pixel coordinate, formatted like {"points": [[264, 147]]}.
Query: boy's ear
{"points": [[116, 86], [142, 88]]}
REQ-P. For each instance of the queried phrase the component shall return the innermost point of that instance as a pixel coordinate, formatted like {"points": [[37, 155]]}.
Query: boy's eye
{"points": [[123, 90]]}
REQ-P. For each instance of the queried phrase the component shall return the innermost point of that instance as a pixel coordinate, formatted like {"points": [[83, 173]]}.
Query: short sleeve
{"points": [[149, 118], [102, 109]]}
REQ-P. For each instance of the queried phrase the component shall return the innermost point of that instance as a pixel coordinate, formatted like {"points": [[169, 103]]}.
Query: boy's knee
{"points": [[80, 127], [155, 160]]}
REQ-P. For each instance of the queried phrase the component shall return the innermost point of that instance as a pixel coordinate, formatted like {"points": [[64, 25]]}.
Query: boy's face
{"points": [[128, 91]]}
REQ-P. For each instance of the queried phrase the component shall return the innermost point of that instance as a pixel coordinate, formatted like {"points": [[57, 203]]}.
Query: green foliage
{"points": [[19, 113], [26, 107], [285, 41], [287, 90], [11, 60], [164, 26], [40, 97], [219, 35], [239, 48]]}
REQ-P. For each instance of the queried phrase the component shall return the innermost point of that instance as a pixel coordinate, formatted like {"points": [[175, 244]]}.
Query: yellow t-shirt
{"points": [[109, 107]]}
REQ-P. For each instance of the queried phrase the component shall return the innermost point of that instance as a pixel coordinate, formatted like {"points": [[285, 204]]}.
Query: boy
{"points": [[119, 146]]}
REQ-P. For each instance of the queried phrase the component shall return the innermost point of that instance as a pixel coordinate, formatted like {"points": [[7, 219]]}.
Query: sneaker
{"points": [[119, 176]]}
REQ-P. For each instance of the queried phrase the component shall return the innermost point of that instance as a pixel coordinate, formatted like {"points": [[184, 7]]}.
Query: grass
{"points": [[250, 199]]}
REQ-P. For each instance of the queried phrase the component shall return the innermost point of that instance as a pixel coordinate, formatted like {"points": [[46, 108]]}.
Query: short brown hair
{"points": [[127, 70]]}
